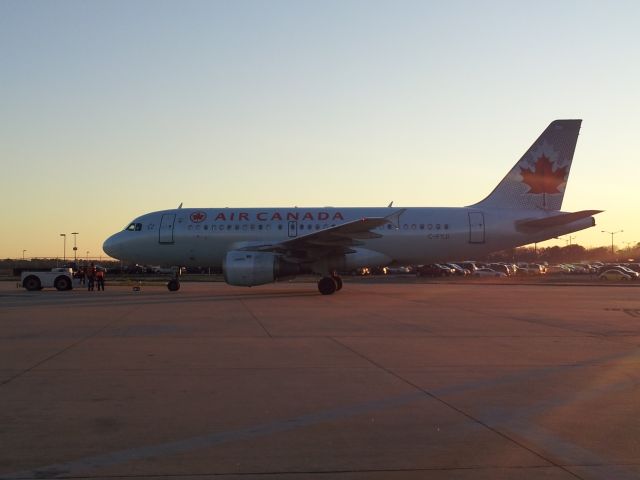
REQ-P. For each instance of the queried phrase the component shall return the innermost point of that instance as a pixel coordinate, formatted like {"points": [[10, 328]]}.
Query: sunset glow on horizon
{"points": [[113, 109]]}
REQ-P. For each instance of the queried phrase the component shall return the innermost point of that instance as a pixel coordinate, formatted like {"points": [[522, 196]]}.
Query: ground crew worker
{"points": [[100, 279], [91, 277]]}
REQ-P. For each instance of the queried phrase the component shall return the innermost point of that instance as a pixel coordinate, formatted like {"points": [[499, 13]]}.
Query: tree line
{"points": [[568, 254]]}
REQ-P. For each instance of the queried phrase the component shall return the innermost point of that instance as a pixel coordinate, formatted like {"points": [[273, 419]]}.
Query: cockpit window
{"points": [[134, 227]]}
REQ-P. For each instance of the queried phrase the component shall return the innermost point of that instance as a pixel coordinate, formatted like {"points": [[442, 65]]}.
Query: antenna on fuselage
{"points": [[390, 205], [180, 206]]}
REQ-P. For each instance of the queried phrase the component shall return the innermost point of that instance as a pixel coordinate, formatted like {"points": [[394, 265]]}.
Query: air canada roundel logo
{"points": [[199, 216]]}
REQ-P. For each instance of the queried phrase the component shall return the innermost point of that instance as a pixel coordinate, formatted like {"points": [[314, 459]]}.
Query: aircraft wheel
{"points": [[327, 285], [338, 281], [62, 283], [173, 285], [32, 283]]}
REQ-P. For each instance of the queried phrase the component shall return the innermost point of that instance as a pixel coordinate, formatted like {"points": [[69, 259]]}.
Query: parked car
{"points": [[434, 270], [362, 271], [471, 266], [498, 267], [614, 275], [558, 269], [379, 270], [488, 272], [580, 268], [399, 270], [629, 271], [531, 269], [634, 266], [458, 270], [622, 269]]}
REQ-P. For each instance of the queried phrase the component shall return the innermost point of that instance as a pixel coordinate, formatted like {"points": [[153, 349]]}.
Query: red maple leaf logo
{"points": [[543, 179]]}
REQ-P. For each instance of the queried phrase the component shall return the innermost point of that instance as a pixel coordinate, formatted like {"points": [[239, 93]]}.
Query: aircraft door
{"points": [[293, 229], [166, 228], [476, 227]]}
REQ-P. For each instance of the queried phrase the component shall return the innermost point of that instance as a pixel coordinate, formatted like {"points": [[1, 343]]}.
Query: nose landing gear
{"points": [[174, 284]]}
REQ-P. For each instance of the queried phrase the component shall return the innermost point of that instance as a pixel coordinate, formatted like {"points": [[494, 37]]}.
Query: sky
{"points": [[111, 109]]}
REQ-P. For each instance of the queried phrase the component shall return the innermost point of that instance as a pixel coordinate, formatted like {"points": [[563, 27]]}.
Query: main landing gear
{"points": [[329, 285], [174, 284]]}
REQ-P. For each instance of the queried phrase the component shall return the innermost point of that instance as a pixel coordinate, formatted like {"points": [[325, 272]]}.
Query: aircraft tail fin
{"points": [[538, 180]]}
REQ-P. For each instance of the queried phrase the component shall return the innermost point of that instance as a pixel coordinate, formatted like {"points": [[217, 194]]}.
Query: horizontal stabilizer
{"points": [[554, 221]]}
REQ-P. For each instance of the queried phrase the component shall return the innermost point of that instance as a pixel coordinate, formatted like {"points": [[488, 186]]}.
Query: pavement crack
{"points": [[67, 348], [457, 409], [255, 318]]}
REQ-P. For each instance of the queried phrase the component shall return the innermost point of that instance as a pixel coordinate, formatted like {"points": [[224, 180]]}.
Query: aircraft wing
{"points": [[329, 241]]}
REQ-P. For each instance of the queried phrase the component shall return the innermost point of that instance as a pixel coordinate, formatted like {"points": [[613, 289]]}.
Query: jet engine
{"points": [[246, 269]]}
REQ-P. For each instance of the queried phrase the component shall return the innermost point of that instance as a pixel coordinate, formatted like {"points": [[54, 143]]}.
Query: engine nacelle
{"points": [[246, 269]]}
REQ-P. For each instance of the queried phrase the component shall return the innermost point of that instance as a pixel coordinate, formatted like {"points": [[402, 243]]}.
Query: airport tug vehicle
{"points": [[58, 278]]}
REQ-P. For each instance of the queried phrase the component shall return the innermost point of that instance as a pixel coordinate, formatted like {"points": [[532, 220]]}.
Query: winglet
{"points": [[394, 218]]}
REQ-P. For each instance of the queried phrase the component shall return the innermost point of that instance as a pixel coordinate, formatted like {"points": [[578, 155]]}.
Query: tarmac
{"points": [[382, 380]]}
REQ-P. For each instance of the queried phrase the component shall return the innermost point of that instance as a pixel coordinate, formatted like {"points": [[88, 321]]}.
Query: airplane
{"points": [[256, 246]]}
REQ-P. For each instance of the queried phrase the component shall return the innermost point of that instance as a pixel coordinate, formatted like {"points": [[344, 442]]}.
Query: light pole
{"points": [[64, 247], [75, 249], [87, 257], [568, 241], [23, 254], [612, 234]]}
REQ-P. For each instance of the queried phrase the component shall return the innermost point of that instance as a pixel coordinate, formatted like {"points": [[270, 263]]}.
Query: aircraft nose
{"points": [[112, 246]]}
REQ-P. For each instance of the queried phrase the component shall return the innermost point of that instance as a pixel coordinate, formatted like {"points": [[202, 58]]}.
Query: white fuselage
{"points": [[202, 237]]}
